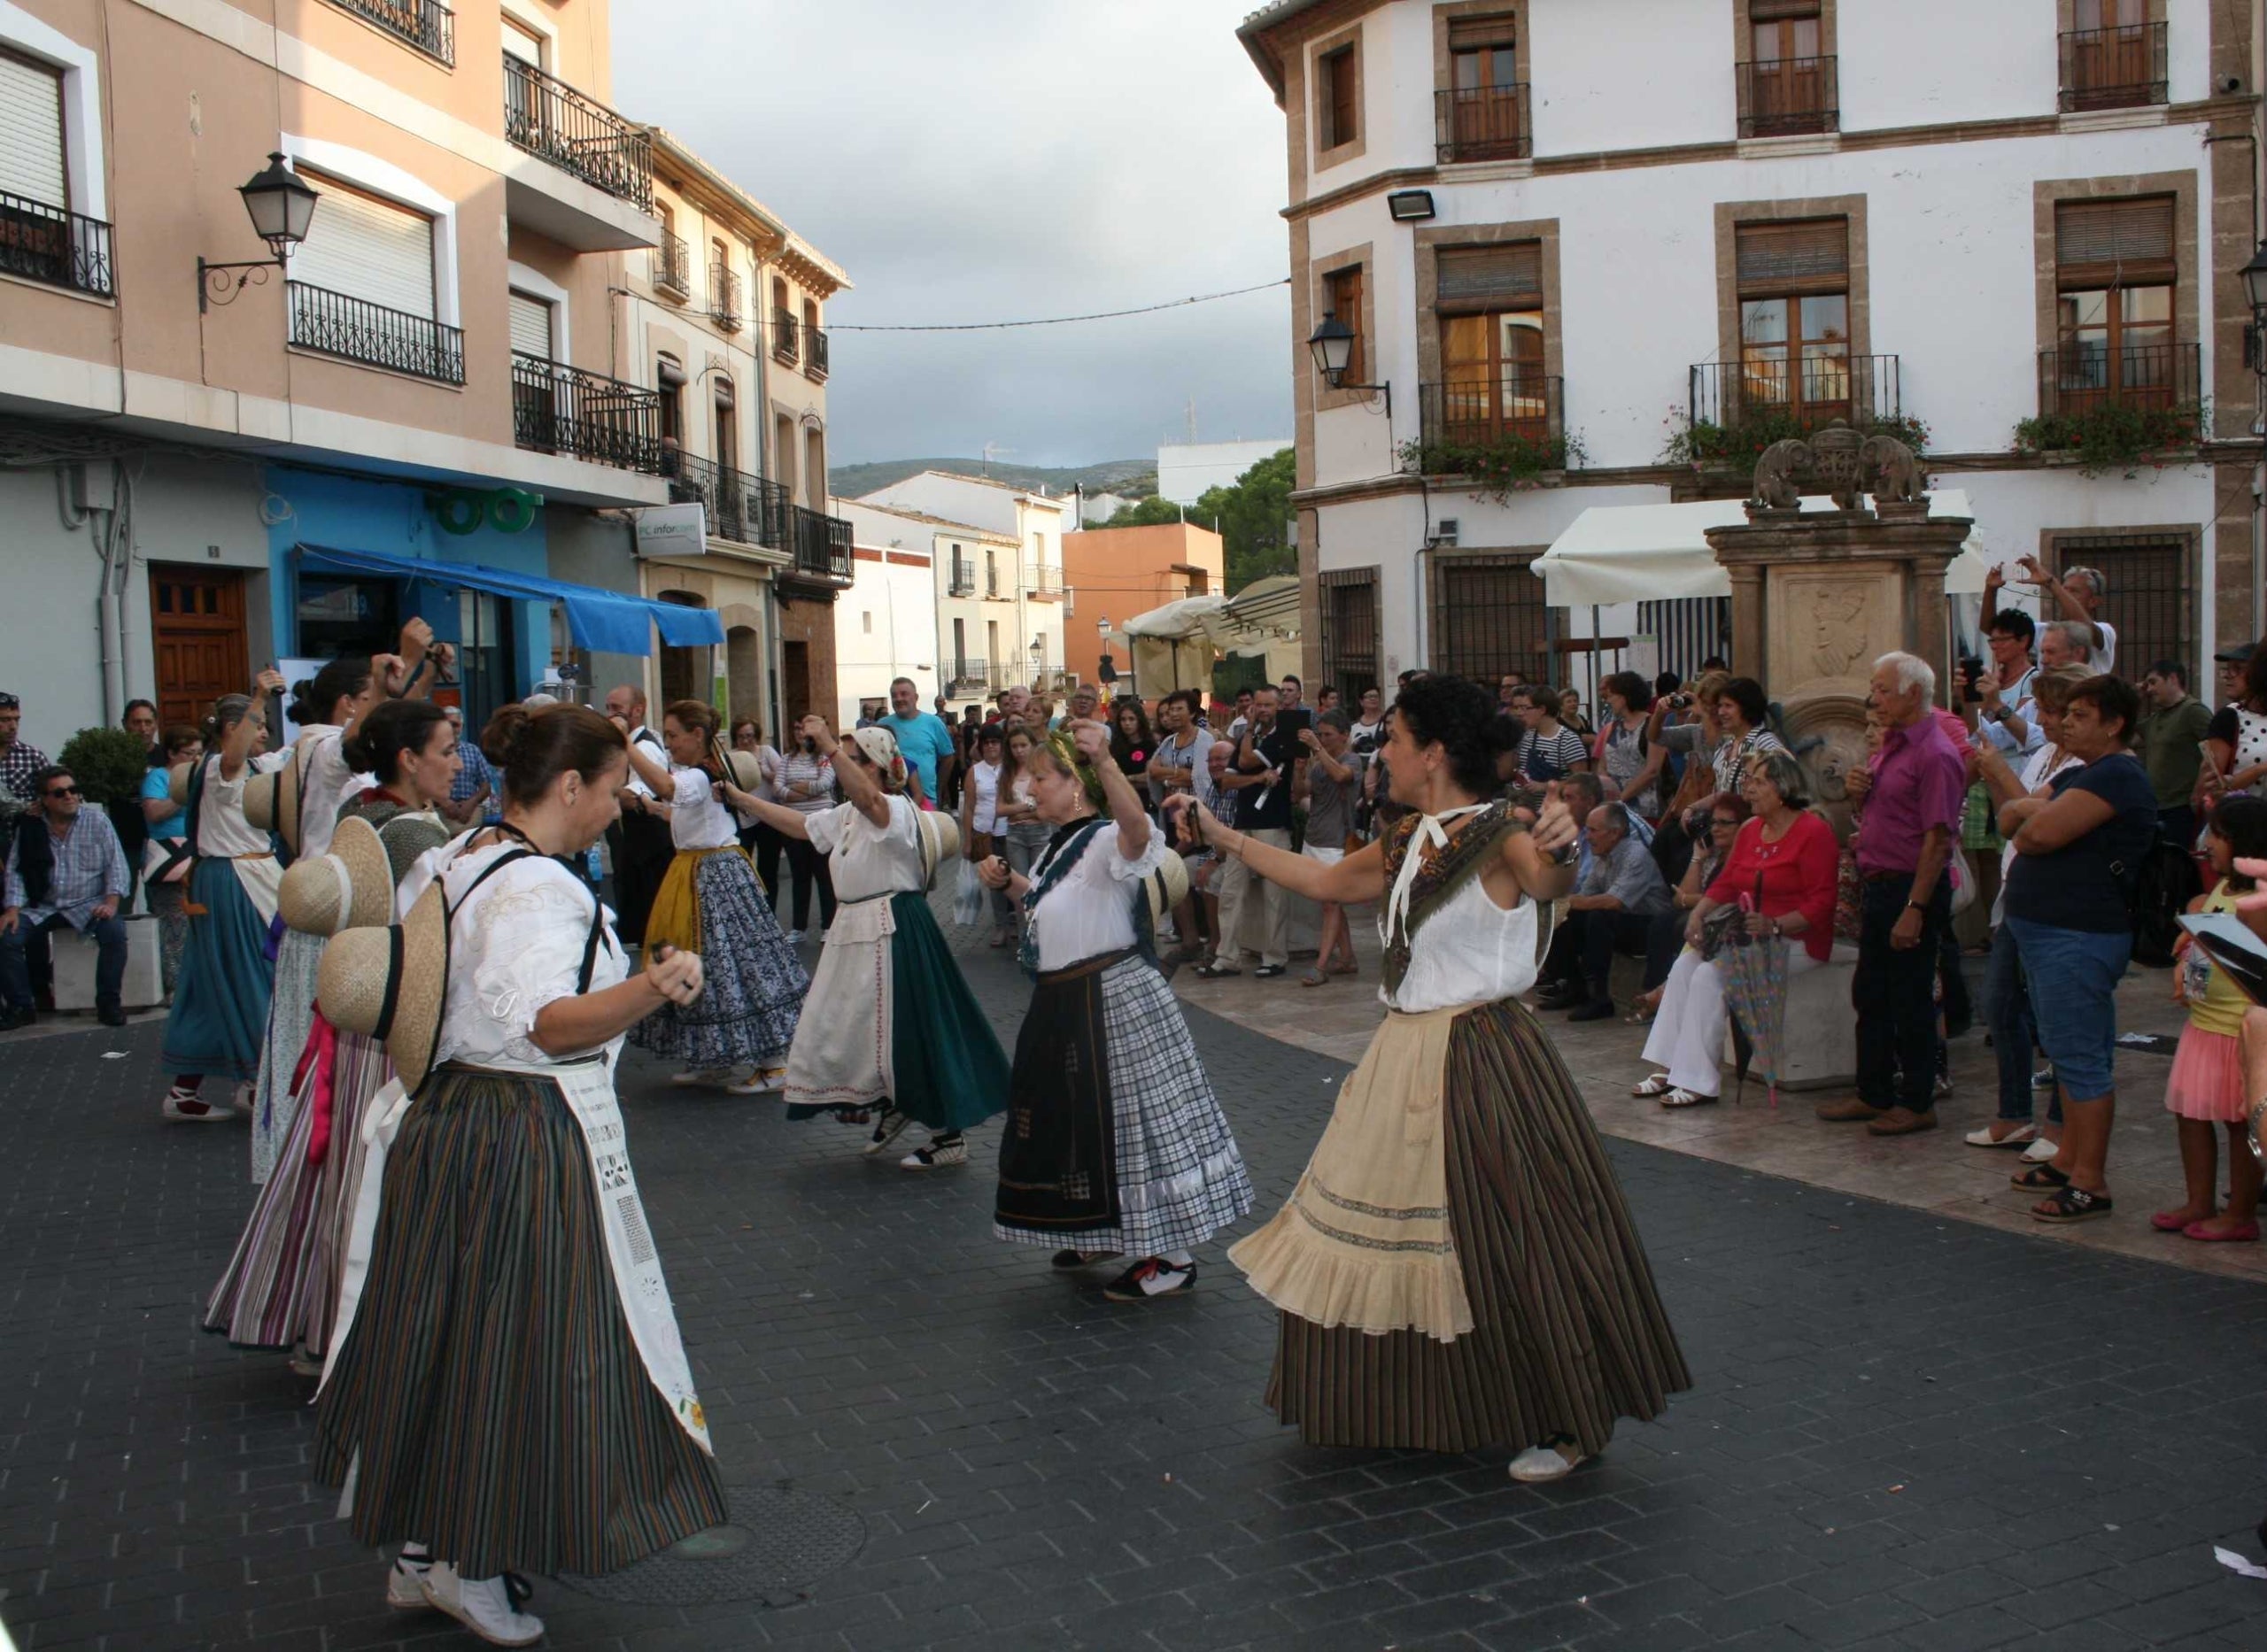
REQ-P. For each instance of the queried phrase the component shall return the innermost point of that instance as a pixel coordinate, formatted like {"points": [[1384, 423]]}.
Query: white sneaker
{"points": [[706, 1078], [184, 1107], [245, 1098], [486, 1606], [936, 1155], [762, 1080], [794, 938], [405, 1583], [2040, 1151], [1539, 1465]]}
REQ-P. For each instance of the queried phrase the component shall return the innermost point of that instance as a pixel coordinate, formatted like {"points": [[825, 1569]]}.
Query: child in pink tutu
{"points": [[2206, 1090]]}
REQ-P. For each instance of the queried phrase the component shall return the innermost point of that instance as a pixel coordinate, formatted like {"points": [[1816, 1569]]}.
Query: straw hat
{"points": [[351, 887], [1167, 887], [272, 799], [389, 984], [177, 784], [740, 768], [940, 841]]}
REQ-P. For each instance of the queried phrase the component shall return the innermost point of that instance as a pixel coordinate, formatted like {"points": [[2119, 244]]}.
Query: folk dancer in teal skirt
{"points": [[220, 1010], [506, 1389], [1456, 1268], [890, 1019]]}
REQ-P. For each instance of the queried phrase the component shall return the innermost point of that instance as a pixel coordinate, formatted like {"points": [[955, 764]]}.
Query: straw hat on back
{"points": [[1167, 887], [390, 983], [740, 768], [940, 841], [272, 799], [352, 887]]}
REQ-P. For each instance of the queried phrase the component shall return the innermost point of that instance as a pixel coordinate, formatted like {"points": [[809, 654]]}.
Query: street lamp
{"points": [[1106, 668], [2255, 292], [1332, 346], [282, 207]]}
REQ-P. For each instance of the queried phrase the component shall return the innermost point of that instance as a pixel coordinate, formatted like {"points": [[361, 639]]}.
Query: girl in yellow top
{"points": [[2206, 1089]]}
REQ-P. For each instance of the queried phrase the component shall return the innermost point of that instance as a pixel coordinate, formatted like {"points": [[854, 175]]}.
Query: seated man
{"points": [[1612, 909], [1562, 964], [65, 867]]}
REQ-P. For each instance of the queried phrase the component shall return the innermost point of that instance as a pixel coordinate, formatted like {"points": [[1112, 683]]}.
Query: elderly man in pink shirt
{"points": [[1913, 791]]}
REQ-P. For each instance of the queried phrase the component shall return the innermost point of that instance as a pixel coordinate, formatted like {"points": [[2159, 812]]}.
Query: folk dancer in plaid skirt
{"points": [[1115, 1143]]}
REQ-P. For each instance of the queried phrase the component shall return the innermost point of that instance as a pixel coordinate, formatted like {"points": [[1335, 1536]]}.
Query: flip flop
{"points": [[1314, 977], [2246, 1233]]}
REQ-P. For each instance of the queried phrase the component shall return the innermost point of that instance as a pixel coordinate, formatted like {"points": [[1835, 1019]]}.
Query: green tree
{"points": [[1151, 512], [1252, 515]]}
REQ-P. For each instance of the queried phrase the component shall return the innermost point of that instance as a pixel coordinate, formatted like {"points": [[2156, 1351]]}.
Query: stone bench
{"points": [[1821, 1030]]}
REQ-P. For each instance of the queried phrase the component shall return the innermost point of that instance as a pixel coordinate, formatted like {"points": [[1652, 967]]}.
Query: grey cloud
{"points": [[997, 161]]}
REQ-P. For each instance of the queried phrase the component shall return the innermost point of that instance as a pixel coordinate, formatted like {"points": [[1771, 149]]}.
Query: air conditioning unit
{"points": [[1445, 533]]}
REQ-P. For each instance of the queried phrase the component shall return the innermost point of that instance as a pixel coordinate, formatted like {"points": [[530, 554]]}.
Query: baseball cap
{"points": [[2234, 654]]}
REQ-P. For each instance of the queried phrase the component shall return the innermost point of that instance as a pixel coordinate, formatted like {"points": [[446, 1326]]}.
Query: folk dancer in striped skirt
{"points": [[1115, 1144], [890, 1019], [300, 806], [220, 1010], [506, 1389], [735, 1037], [1456, 1268], [281, 1284]]}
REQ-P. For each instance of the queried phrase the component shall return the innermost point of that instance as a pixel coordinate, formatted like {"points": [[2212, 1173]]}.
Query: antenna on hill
{"points": [[991, 451], [1192, 421]]}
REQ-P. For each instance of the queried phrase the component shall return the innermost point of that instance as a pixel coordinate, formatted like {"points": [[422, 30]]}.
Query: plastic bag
{"points": [[968, 896]]}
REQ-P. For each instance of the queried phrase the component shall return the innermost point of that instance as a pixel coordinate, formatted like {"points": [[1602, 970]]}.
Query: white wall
{"points": [[1185, 470], [979, 504], [1921, 62], [1658, 71], [885, 627]]}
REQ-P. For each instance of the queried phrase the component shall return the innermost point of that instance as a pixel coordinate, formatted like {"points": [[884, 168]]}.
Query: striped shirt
{"points": [[90, 866]]}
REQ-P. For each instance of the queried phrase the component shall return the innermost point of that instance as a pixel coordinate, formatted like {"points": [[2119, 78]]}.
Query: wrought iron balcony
{"points": [[1482, 123], [815, 340], [558, 409], [550, 118], [46, 243], [975, 676], [1857, 390], [724, 297], [1511, 408], [822, 546], [743, 508], [1044, 581], [673, 266], [426, 25], [784, 329], [2080, 375], [354, 330], [2113, 68], [1788, 96], [963, 582]]}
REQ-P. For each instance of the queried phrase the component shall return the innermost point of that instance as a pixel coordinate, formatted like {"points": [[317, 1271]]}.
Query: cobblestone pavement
{"points": [[1908, 1432]]}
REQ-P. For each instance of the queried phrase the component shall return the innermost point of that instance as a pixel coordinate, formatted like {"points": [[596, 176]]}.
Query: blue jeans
{"points": [[2074, 975], [2006, 1006], [23, 952]]}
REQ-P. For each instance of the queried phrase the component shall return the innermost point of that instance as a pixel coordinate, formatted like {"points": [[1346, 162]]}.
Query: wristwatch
{"points": [[1566, 855]]}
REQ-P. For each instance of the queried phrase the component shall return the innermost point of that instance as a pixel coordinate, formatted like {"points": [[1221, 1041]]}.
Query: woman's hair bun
{"points": [[504, 732]]}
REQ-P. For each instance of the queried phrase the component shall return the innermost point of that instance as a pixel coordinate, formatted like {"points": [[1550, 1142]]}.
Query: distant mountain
{"points": [[1133, 477]]}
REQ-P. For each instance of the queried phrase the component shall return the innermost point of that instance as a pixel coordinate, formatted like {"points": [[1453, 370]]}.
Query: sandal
{"points": [[1652, 1085], [1681, 1096], [2241, 1233], [2071, 1204], [2039, 1178], [1346, 968], [1215, 971], [1314, 977]]}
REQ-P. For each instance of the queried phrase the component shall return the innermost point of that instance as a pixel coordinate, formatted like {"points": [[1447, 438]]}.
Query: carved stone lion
{"points": [[1775, 477], [1897, 475]]}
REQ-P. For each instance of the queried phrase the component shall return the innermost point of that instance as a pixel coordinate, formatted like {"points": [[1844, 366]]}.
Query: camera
{"points": [[1680, 702], [1970, 667]]}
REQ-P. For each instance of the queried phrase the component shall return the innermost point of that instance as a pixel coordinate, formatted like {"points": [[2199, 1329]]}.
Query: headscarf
{"points": [[880, 747], [1066, 752]]}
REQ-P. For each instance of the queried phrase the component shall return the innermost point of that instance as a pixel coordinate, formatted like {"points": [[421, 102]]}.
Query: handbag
{"points": [[1728, 926]]}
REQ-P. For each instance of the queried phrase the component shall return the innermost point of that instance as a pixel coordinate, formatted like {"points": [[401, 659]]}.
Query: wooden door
{"points": [[197, 629]]}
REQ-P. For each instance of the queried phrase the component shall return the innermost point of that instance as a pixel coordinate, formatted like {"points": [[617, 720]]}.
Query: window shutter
{"points": [[1810, 257], [31, 132], [522, 43], [2110, 243], [1470, 33], [1508, 277], [368, 249], [531, 320]]}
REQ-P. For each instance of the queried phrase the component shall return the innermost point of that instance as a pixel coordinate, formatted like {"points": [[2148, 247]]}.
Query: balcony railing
{"points": [[2080, 375], [2113, 68], [974, 676], [1044, 581], [1857, 390], [46, 243], [1479, 410], [816, 339], [558, 409], [963, 582], [673, 266], [548, 117], [426, 25], [1482, 123], [355, 329], [784, 331], [822, 546], [745, 509], [724, 298], [1788, 96]]}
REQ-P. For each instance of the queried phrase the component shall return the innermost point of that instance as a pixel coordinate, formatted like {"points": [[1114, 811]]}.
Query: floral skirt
{"points": [[752, 982]]}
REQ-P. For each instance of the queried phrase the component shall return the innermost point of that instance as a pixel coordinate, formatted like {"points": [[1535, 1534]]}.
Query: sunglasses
{"points": [[63, 792]]}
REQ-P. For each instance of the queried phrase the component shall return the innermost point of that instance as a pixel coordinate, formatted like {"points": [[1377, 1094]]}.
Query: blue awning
{"points": [[607, 622]]}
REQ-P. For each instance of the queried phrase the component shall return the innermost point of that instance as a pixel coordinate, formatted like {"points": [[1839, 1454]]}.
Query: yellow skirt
{"points": [[675, 919]]}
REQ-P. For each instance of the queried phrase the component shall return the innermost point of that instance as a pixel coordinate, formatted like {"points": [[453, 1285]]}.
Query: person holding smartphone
{"points": [[1255, 915]]}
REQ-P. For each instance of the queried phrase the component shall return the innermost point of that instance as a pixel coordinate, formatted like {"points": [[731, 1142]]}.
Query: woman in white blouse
{"points": [[710, 902], [506, 1385], [983, 829], [1115, 1144]]}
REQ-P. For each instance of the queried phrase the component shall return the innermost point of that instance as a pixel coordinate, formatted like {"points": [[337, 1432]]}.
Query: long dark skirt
{"points": [[1569, 1334], [949, 1068], [489, 1383], [220, 1015]]}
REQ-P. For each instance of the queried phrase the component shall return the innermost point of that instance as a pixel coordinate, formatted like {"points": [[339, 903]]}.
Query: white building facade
{"points": [[886, 624], [1186, 469], [1600, 263]]}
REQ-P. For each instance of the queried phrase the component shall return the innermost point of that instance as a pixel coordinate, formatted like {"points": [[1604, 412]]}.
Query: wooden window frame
{"points": [[2047, 195], [1445, 18], [1731, 215], [1331, 147], [1794, 345], [1361, 258], [62, 79]]}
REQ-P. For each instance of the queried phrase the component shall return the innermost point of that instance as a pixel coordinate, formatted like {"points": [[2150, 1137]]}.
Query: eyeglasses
{"points": [[63, 792]]}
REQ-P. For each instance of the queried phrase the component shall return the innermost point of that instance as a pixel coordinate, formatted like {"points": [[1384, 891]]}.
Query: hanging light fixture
{"points": [[281, 208]]}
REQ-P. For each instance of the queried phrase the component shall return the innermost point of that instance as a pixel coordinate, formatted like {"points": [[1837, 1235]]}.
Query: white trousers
{"points": [[1688, 1035]]}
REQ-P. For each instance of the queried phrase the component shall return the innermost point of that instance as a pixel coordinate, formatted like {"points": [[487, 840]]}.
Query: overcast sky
{"points": [[992, 161]]}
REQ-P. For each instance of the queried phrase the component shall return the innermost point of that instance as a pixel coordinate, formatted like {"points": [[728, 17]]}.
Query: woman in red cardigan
{"points": [[1791, 856]]}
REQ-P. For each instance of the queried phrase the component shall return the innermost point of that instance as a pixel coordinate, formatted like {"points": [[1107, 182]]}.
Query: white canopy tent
{"points": [[1173, 646], [1651, 552]]}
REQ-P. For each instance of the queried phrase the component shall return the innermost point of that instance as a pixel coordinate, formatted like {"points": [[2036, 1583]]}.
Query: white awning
{"points": [[1263, 611], [1648, 553]]}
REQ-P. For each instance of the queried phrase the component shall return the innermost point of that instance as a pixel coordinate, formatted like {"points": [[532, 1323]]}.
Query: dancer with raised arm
{"points": [[1115, 1143], [1456, 1268], [889, 1018]]}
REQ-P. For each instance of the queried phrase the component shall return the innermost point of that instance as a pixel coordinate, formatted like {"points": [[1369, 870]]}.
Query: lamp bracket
{"points": [[215, 285], [1385, 390]]}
